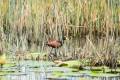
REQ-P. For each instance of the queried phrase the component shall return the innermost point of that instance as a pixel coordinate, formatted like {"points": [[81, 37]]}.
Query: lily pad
{"points": [[5, 72], [71, 64], [73, 74], [62, 69], [99, 74], [57, 78], [57, 75], [86, 79], [2, 78], [9, 65]]}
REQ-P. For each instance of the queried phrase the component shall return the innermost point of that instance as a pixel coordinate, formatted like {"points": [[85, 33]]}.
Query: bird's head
{"points": [[65, 38]]}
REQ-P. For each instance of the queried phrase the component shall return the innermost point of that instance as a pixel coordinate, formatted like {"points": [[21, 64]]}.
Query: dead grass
{"points": [[89, 25]]}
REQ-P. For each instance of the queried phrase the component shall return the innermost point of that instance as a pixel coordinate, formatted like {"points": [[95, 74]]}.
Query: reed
{"points": [[88, 24]]}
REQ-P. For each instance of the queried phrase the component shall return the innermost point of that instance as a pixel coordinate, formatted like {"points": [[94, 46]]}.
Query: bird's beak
{"points": [[67, 38]]}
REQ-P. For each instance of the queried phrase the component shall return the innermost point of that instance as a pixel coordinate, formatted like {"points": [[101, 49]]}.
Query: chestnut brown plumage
{"points": [[54, 44]]}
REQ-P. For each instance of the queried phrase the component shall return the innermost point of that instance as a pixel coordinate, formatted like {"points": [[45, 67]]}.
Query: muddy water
{"points": [[34, 70]]}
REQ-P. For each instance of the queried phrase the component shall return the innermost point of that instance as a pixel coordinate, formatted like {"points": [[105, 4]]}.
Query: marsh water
{"points": [[45, 70]]}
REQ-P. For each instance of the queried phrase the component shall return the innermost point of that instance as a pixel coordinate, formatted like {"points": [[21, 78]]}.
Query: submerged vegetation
{"points": [[91, 26]]}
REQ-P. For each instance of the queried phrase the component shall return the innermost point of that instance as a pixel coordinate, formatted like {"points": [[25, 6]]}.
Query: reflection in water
{"points": [[43, 71]]}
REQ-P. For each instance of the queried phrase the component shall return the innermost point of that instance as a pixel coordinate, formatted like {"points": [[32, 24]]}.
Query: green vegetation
{"points": [[59, 74], [71, 64], [91, 26]]}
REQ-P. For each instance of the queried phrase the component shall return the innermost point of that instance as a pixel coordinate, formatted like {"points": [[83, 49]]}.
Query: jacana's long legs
{"points": [[50, 54], [55, 52], [51, 50]]}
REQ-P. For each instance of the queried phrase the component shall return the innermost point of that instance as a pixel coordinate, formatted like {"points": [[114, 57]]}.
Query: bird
{"points": [[55, 44], [2, 58]]}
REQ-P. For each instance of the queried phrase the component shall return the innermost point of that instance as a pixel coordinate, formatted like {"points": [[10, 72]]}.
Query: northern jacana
{"points": [[55, 44], [2, 58]]}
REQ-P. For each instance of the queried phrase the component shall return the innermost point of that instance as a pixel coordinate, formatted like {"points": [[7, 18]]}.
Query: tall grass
{"points": [[28, 24]]}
